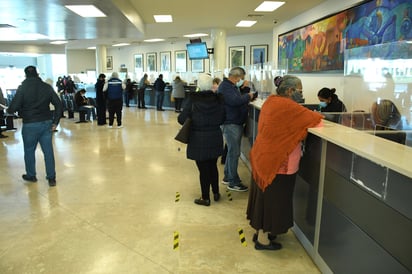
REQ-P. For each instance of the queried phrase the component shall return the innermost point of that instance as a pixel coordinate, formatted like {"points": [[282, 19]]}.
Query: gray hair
{"points": [[115, 75], [288, 81], [237, 72], [204, 82]]}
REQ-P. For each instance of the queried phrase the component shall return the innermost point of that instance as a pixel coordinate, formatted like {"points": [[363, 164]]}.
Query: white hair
{"points": [[115, 75], [204, 82]]}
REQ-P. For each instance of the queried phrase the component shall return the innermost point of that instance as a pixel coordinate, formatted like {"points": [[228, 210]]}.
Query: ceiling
{"points": [[132, 20]]}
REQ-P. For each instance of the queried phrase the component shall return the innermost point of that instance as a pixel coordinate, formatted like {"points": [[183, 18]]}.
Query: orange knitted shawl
{"points": [[282, 125]]}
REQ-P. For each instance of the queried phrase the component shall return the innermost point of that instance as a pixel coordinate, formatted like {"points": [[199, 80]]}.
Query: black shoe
{"points": [[29, 178], [270, 246], [270, 237], [216, 197], [52, 182], [144, 107], [3, 136], [202, 202]]}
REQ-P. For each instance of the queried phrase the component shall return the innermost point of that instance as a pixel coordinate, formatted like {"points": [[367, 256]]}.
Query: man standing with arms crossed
{"points": [[236, 108], [32, 101]]}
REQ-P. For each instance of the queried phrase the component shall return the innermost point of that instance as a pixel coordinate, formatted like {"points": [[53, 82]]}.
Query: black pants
{"points": [[178, 103], [209, 176], [115, 107], [140, 98], [101, 111]]}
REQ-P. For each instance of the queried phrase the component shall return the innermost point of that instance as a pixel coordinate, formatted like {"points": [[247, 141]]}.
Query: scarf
{"points": [[282, 125]]}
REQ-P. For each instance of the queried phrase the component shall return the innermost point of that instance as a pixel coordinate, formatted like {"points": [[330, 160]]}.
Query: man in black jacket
{"points": [[159, 86], [32, 101]]}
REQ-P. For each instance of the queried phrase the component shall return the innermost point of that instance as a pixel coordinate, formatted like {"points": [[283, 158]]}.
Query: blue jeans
{"points": [[34, 133], [88, 112], [160, 95], [233, 137]]}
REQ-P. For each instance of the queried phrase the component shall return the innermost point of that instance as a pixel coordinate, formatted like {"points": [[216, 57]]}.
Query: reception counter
{"points": [[352, 201]]}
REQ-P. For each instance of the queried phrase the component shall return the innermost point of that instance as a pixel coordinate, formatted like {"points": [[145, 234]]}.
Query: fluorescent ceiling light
{"points": [[196, 35], [58, 42], [163, 18], [86, 10], [245, 23], [121, 45], [154, 40], [12, 34], [269, 6], [91, 48]]}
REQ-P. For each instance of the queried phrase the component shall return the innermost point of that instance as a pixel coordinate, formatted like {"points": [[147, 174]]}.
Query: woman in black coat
{"points": [[206, 141]]}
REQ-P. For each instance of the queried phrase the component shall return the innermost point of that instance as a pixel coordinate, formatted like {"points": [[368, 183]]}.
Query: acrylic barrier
{"points": [[352, 204]]}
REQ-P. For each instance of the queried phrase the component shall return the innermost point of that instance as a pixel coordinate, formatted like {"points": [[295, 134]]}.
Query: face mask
{"points": [[240, 83], [297, 97], [323, 104]]}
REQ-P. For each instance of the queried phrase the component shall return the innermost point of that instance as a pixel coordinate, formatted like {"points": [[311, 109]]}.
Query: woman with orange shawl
{"points": [[275, 159]]}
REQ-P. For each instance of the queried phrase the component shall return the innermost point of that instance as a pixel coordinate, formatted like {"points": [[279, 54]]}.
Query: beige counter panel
{"points": [[390, 154]]}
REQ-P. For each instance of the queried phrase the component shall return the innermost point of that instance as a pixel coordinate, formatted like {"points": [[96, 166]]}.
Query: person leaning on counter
{"points": [[274, 158]]}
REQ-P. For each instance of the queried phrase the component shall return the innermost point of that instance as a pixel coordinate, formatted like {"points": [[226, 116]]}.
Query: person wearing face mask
{"points": [[236, 109], [329, 101], [274, 158], [297, 93]]}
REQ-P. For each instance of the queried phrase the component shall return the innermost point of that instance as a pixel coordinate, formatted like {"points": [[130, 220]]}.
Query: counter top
{"points": [[387, 153]]}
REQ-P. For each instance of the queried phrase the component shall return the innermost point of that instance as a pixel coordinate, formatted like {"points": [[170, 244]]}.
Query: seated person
{"points": [[83, 103], [329, 102], [386, 116]]}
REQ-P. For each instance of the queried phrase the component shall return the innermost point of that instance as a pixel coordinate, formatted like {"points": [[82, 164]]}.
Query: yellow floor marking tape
{"points": [[229, 195], [175, 240], [242, 237]]}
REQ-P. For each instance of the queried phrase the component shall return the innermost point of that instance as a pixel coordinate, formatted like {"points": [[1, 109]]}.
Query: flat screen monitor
{"points": [[197, 51]]}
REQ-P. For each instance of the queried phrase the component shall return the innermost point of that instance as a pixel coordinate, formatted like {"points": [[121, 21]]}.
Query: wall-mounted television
{"points": [[197, 51]]}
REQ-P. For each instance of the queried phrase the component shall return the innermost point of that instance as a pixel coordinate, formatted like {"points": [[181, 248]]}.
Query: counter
{"points": [[352, 201]]}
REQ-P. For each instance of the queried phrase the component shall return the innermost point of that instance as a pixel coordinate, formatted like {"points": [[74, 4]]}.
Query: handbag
{"points": [[184, 132]]}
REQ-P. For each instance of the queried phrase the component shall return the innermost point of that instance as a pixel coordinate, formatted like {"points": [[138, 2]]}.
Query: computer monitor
{"points": [[197, 51]]}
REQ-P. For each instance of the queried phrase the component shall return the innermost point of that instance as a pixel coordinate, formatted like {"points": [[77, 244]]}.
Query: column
{"points": [[218, 65], [101, 56]]}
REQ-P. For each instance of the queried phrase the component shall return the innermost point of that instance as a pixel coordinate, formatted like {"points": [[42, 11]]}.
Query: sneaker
{"points": [[240, 187], [29, 178], [225, 182], [120, 126], [109, 126]]}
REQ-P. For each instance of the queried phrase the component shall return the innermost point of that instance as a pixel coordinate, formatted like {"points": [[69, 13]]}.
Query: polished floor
{"points": [[124, 204]]}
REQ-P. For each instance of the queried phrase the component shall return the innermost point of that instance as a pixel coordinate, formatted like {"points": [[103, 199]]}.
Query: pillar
{"points": [[218, 37], [101, 56]]}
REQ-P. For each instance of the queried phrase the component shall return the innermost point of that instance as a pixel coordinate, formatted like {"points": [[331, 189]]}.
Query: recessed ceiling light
{"points": [[154, 40], [163, 18], [86, 10], [245, 23], [269, 6], [58, 42], [121, 45], [195, 35], [91, 48]]}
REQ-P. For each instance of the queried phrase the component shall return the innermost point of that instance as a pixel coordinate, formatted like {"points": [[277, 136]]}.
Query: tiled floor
{"points": [[114, 209]]}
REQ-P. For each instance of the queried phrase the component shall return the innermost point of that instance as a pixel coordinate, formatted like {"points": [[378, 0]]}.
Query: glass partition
{"points": [[378, 90]]}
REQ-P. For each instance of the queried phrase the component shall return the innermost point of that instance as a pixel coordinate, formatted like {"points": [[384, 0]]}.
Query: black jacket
{"points": [[207, 112], [159, 85], [32, 101]]}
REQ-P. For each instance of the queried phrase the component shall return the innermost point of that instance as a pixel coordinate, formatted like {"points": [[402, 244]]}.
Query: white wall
{"points": [[80, 60]]}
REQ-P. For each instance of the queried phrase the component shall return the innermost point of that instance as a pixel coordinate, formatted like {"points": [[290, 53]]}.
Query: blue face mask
{"points": [[240, 83], [323, 104]]}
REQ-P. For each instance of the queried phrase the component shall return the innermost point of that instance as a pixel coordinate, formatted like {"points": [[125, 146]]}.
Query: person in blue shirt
{"points": [[236, 110], [114, 88], [159, 86]]}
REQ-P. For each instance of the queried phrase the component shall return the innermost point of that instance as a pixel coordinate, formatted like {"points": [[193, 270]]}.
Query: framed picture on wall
{"points": [[180, 61], [198, 65], [258, 54], [138, 62], [151, 61], [109, 62], [236, 56], [165, 62]]}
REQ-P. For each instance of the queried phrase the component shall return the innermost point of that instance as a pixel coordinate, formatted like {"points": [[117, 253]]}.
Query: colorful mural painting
{"points": [[320, 46]]}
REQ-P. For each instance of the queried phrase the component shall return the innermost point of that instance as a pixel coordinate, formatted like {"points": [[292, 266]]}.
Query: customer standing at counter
{"points": [[178, 92], [275, 157], [114, 88], [159, 86], [144, 82], [236, 108]]}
